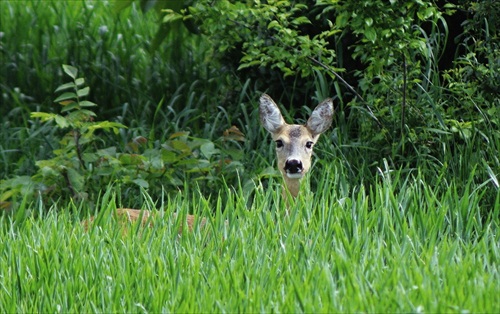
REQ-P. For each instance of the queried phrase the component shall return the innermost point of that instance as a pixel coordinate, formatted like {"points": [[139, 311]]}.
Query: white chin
{"points": [[294, 175]]}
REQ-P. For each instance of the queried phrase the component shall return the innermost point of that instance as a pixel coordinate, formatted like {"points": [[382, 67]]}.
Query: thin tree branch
{"points": [[329, 69], [76, 134], [403, 105]]}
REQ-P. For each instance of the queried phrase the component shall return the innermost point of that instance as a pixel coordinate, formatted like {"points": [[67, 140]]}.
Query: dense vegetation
{"points": [[107, 104]]}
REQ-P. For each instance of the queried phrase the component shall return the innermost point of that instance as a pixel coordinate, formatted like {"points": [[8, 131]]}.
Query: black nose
{"points": [[293, 166]]}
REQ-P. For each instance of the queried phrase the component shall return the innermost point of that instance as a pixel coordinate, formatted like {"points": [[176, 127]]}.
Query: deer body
{"points": [[146, 218], [294, 147], [294, 142]]}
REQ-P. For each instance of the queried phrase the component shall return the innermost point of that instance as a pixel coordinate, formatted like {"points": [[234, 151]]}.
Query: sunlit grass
{"points": [[386, 249]]}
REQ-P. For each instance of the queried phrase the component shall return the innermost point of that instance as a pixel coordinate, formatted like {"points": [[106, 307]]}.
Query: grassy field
{"points": [[414, 248], [409, 227]]}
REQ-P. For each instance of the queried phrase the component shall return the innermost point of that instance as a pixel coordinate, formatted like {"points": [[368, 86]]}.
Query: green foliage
{"points": [[387, 31], [296, 39], [83, 165], [269, 35], [471, 100], [407, 112]]}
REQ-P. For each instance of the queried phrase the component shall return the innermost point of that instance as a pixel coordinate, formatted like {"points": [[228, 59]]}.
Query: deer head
{"points": [[294, 142]]}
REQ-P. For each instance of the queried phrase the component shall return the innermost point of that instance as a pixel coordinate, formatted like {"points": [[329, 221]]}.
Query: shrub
{"points": [[83, 164]]}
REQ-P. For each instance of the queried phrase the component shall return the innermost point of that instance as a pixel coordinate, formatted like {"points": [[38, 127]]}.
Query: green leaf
{"points": [[300, 20], [370, 34], [427, 13], [79, 81], [88, 113], [178, 134], [75, 179], [61, 121], [188, 163], [65, 96], [244, 65], [168, 156], [492, 111], [80, 115], [69, 107], [208, 149], [83, 92], [107, 125], [131, 159], [70, 70], [342, 20], [65, 86], [91, 157], [43, 115], [234, 153], [141, 182], [86, 103], [107, 152], [171, 17], [48, 168], [273, 24], [175, 181], [180, 146]]}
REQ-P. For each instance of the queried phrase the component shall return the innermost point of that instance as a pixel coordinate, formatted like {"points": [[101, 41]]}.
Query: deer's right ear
{"points": [[270, 115]]}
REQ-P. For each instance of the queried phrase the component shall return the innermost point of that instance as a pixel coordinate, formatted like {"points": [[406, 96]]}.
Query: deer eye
{"points": [[279, 143], [309, 144]]}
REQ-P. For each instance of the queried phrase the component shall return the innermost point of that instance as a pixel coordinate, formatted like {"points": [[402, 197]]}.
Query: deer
{"points": [[147, 217], [294, 149], [294, 142]]}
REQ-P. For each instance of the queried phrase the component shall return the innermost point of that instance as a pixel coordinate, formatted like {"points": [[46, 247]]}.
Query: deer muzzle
{"points": [[294, 168]]}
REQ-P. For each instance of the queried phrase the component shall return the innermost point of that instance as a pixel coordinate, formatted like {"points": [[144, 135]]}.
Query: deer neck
{"points": [[292, 185]]}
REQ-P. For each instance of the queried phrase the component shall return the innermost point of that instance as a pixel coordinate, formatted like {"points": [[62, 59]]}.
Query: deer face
{"points": [[294, 143]]}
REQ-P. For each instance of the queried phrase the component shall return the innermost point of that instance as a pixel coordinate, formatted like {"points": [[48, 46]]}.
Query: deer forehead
{"points": [[294, 134]]}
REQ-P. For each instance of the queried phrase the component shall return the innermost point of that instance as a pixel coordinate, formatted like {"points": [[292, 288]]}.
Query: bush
{"points": [[84, 165]]}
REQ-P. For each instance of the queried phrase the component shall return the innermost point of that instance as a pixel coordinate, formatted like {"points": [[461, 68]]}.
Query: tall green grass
{"points": [[401, 246], [113, 50]]}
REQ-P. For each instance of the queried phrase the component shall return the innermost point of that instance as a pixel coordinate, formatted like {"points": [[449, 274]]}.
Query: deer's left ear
{"points": [[321, 117]]}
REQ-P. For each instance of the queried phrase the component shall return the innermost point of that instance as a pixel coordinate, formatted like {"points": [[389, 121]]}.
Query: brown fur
{"points": [[129, 215]]}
